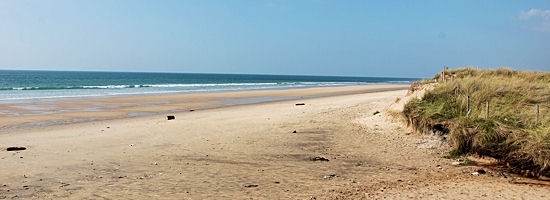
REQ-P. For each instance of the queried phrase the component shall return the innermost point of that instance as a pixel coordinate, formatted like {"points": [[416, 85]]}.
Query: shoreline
{"points": [[25, 115]]}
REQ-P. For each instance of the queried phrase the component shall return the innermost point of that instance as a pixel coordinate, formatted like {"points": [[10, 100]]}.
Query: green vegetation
{"points": [[453, 154], [510, 132], [468, 162]]}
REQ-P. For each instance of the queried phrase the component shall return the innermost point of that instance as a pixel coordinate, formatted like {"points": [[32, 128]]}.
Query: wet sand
{"points": [[331, 147], [54, 112]]}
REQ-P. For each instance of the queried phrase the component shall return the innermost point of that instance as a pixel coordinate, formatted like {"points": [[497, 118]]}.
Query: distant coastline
{"points": [[18, 86]]}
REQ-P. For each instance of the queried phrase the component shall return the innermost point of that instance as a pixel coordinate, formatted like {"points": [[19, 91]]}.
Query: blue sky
{"points": [[306, 37]]}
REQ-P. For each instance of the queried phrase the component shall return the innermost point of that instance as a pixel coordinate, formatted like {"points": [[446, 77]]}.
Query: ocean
{"points": [[28, 86]]}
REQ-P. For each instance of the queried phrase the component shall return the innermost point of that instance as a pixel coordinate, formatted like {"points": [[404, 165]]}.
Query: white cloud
{"points": [[535, 13], [537, 19]]}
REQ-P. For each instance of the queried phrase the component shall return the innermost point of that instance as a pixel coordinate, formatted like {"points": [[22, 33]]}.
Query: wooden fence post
{"points": [[538, 111], [444, 79], [487, 110], [467, 103]]}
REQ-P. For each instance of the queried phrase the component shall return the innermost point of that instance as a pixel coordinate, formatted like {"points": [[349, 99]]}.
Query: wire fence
{"points": [[444, 79]]}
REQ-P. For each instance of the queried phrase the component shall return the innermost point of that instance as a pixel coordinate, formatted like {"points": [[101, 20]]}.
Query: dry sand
{"points": [[248, 152]]}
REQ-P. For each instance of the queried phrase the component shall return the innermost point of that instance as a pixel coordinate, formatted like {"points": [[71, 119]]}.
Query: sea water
{"points": [[28, 86]]}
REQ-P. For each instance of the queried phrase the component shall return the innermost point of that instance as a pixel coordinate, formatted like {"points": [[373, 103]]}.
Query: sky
{"points": [[301, 37]]}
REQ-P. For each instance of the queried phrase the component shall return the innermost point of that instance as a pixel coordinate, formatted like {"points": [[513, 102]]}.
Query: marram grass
{"points": [[511, 132]]}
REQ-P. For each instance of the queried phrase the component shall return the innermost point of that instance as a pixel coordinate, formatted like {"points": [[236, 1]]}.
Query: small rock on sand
{"points": [[481, 171], [319, 159], [330, 176], [251, 186], [16, 148]]}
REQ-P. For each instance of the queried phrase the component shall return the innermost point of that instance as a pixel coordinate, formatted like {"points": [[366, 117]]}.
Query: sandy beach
{"points": [[53, 112], [331, 147]]}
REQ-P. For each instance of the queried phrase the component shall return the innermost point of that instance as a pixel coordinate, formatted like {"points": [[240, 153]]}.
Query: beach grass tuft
{"points": [[501, 113]]}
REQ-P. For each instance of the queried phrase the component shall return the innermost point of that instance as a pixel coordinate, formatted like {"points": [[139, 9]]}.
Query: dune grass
{"points": [[511, 131]]}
